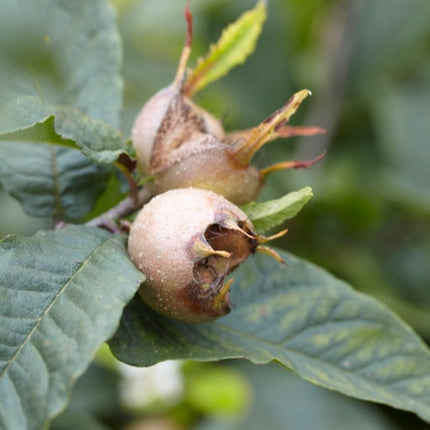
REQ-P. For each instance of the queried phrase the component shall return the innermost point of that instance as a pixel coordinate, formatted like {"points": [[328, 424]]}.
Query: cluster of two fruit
{"points": [[192, 234]]}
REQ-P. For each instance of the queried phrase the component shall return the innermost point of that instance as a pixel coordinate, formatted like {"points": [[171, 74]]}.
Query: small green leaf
{"points": [[51, 180], [69, 71], [61, 295], [304, 318], [270, 214], [236, 43]]}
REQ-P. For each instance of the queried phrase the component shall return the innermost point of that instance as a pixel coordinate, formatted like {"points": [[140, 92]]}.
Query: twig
{"points": [[121, 210]]}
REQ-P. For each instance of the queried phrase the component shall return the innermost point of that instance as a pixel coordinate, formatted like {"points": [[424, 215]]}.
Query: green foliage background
{"points": [[367, 63]]}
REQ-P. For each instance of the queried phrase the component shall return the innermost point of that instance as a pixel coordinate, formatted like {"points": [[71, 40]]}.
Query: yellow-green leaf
{"points": [[236, 43]]}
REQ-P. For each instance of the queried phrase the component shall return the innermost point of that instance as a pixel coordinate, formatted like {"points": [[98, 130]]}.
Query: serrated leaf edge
{"points": [[254, 19]]}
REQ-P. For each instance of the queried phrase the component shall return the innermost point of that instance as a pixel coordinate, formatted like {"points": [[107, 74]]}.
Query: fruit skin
{"points": [[147, 123], [171, 127], [224, 175], [186, 241], [183, 146]]}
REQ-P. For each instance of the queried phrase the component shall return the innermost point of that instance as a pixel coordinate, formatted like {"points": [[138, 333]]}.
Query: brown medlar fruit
{"points": [[186, 241]]}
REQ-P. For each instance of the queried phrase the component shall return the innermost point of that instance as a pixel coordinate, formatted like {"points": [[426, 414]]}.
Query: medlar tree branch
{"points": [[121, 210]]}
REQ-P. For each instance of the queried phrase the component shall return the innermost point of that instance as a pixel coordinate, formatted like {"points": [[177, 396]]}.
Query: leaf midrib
{"points": [[44, 313]]}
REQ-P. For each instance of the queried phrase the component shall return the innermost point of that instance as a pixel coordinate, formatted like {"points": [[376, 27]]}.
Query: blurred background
{"points": [[367, 63]]}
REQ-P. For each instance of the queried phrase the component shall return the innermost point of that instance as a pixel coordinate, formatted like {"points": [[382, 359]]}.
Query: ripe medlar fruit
{"points": [[186, 241]]}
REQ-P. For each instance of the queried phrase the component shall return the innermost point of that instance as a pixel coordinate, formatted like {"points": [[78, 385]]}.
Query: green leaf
{"points": [[96, 139], [61, 60], [69, 127], [306, 319], [41, 132], [61, 295], [236, 43], [270, 214], [51, 181]]}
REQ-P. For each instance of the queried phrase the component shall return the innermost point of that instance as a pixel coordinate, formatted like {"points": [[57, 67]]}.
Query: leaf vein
{"points": [[21, 407], [54, 299]]}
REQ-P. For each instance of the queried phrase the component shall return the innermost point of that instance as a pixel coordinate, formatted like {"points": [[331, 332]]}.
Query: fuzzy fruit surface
{"points": [[171, 127], [186, 241], [214, 169], [183, 146]]}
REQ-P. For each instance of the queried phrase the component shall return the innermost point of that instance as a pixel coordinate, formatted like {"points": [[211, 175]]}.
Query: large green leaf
{"points": [[61, 295], [61, 60], [306, 319], [50, 180], [270, 214]]}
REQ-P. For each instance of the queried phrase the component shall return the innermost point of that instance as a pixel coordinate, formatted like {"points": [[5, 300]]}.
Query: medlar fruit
{"points": [[186, 241]]}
